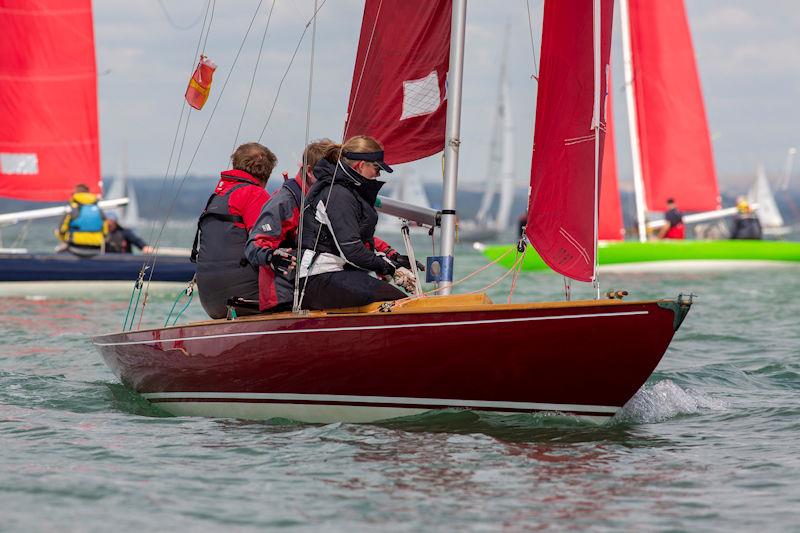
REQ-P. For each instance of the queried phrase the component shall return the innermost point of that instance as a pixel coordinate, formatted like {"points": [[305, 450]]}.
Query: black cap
{"points": [[372, 157]]}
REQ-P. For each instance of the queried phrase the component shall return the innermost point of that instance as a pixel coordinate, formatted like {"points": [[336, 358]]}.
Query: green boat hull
{"points": [[631, 252]]}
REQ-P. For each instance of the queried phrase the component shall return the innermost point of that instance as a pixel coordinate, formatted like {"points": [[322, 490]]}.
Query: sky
{"points": [[748, 55]]}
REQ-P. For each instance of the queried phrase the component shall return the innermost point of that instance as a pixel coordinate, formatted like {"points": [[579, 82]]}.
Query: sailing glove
{"points": [[282, 260], [403, 260]]}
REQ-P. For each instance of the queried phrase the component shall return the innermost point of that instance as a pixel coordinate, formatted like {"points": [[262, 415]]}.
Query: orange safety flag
{"points": [[200, 83]]}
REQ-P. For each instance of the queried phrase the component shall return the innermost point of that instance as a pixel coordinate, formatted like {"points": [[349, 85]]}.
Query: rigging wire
{"points": [[296, 300], [533, 46], [288, 68], [253, 77]]}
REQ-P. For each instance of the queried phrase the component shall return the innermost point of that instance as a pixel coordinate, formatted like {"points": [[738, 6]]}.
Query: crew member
{"points": [[674, 228], [746, 224], [122, 240], [223, 272], [83, 229], [273, 241], [341, 217]]}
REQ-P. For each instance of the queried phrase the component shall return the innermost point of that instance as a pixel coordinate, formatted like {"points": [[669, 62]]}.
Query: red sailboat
{"points": [[392, 359]]}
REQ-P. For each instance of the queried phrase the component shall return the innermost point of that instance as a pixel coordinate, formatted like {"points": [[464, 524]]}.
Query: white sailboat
{"points": [[768, 214], [488, 226]]}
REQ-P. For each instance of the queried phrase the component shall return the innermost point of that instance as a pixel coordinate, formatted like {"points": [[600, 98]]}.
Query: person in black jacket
{"points": [[339, 219], [121, 240]]}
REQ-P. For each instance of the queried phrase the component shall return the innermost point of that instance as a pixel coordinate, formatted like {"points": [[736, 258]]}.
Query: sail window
{"points": [[421, 97], [18, 163]]}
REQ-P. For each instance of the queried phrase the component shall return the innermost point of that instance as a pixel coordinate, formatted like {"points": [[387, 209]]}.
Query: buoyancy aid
{"points": [[85, 225], [222, 270]]}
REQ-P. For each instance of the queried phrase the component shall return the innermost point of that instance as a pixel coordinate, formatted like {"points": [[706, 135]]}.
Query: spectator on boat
{"points": [[223, 272], [674, 228], [83, 229], [121, 240], [341, 218], [273, 241], [746, 224]]}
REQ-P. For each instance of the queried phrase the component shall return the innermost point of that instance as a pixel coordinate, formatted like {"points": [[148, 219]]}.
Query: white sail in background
{"points": [[128, 215], [761, 193], [500, 169]]}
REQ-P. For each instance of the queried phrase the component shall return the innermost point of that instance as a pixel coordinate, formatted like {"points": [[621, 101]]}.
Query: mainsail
{"points": [[675, 147], [48, 100], [400, 77], [562, 205], [610, 227]]}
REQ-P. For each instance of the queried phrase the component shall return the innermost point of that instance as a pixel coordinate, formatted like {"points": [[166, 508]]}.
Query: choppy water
{"points": [[710, 443]]}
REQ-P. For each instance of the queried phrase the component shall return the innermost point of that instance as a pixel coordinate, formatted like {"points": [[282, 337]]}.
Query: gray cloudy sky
{"points": [[748, 54]]}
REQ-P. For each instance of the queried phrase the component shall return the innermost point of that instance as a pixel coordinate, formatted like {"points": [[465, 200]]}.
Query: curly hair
{"points": [[255, 159]]}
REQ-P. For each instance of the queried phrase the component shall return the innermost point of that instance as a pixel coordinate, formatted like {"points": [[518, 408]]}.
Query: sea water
{"points": [[711, 442]]}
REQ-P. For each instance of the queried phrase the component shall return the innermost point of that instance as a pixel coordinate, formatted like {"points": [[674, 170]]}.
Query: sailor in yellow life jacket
{"points": [[83, 229]]}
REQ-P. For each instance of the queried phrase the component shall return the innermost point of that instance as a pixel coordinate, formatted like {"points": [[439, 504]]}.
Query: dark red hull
{"points": [[581, 358]]}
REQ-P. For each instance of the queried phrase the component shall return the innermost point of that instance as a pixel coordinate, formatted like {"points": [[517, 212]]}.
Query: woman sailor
{"points": [[340, 217]]}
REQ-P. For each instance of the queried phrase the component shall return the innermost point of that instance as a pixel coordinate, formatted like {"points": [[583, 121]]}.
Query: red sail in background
{"points": [[48, 99], [399, 81], [610, 227], [677, 160], [561, 207]]}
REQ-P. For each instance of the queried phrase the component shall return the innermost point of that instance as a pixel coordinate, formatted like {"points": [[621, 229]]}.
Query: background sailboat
{"points": [[49, 140], [670, 148], [490, 224]]}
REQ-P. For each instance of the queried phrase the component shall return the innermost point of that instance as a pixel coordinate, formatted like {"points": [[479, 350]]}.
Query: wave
{"points": [[664, 400]]}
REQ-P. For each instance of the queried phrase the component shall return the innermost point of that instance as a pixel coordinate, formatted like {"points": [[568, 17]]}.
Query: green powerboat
{"points": [[669, 252]]}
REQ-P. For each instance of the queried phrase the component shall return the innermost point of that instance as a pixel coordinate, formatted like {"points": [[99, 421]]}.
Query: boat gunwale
{"points": [[483, 307]]}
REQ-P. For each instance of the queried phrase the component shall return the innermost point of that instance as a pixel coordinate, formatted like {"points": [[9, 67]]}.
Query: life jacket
{"points": [[217, 230], [223, 271], [85, 225]]}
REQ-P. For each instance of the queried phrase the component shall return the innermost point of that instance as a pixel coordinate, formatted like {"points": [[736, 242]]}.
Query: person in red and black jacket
{"points": [[223, 272], [273, 240]]}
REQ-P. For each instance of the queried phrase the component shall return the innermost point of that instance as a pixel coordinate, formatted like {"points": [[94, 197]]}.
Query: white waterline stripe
{"points": [[362, 328], [398, 400]]}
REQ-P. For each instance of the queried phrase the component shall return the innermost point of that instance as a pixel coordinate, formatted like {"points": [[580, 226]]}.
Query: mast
{"points": [[598, 82], [507, 169], [633, 128], [452, 142]]}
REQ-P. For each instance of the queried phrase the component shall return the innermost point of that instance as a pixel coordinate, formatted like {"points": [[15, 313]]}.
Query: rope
{"points": [[253, 78], [188, 291], [172, 22], [404, 301]]}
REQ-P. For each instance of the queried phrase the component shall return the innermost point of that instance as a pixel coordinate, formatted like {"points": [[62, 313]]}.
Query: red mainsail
{"points": [[610, 227], [48, 99], [562, 202], [677, 160], [400, 78]]}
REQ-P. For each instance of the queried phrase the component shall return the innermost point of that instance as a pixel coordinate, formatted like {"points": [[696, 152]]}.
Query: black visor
{"points": [[372, 157]]}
